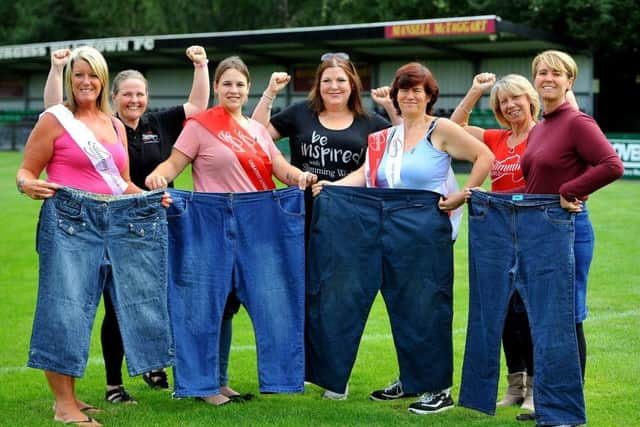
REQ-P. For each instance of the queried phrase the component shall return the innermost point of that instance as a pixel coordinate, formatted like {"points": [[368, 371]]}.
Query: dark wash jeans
{"points": [[253, 242], [393, 240], [88, 243], [524, 243]]}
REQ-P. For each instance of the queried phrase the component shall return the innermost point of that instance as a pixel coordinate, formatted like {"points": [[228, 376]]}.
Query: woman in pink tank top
{"points": [[50, 147]]}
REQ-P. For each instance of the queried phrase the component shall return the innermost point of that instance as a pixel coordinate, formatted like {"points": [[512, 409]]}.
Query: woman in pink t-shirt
{"points": [[229, 153]]}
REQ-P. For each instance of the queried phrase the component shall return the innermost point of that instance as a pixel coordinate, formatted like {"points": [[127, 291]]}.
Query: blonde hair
{"points": [[516, 85], [558, 61], [99, 66]]}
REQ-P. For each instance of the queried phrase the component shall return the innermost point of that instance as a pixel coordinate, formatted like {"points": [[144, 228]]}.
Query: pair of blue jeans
{"points": [[252, 243], [88, 243], [583, 247], [524, 243], [394, 240]]}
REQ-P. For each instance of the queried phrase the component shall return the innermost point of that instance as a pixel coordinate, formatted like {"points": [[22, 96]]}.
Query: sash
{"points": [[393, 138], [252, 158], [99, 156]]}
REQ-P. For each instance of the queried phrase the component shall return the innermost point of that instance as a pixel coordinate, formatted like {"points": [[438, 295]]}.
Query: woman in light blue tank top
{"points": [[417, 155], [414, 174]]}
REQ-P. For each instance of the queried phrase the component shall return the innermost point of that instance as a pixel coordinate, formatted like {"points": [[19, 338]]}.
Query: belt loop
{"points": [[142, 200]]}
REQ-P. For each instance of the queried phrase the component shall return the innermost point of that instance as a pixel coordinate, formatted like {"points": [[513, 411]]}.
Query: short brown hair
{"points": [[414, 74], [232, 62]]}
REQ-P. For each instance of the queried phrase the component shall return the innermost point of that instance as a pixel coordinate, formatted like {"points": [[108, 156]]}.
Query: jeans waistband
{"points": [[377, 195], [516, 199], [235, 197], [85, 197]]}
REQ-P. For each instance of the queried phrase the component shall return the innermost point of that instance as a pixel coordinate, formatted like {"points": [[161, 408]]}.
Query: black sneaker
{"points": [[432, 403], [391, 392], [119, 395]]}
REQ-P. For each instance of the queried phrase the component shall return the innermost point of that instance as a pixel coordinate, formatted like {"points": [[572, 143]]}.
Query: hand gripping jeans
{"points": [[88, 242], [393, 240], [253, 242], [524, 243]]}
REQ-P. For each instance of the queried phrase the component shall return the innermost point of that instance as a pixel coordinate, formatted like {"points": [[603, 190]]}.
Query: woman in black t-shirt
{"points": [[327, 132]]}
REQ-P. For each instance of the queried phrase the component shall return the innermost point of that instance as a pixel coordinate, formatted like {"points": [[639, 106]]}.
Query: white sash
{"points": [[99, 156], [395, 152], [394, 147], [455, 217]]}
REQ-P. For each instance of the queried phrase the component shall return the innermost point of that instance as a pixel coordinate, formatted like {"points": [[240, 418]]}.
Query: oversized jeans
{"points": [[393, 240], [524, 243], [253, 242], [88, 242]]}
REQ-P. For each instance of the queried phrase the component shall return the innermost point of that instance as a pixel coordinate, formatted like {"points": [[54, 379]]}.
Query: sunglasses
{"points": [[330, 55]]}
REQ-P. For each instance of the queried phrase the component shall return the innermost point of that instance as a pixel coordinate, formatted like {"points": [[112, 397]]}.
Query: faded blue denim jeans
{"points": [[394, 240], [524, 243], [253, 242], [88, 242]]}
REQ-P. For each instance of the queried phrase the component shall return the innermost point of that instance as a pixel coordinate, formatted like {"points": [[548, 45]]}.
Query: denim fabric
{"points": [[583, 249], [88, 243], [393, 240], [254, 243], [524, 243]]}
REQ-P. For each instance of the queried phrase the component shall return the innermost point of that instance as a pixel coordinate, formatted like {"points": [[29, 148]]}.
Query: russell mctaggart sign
{"points": [[440, 28], [628, 148]]}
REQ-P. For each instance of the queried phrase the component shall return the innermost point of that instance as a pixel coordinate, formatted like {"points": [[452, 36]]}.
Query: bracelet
{"points": [[201, 64], [269, 97], [463, 108]]}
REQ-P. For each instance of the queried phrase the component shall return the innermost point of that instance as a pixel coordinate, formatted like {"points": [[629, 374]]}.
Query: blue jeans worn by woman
{"points": [[252, 243], [394, 240], [86, 243], [524, 243]]}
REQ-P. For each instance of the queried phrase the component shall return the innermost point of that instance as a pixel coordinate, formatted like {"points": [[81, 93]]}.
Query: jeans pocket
{"points": [[478, 210], [292, 205], [144, 229], [70, 216], [557, 216], [143, 213], [178, 207]]}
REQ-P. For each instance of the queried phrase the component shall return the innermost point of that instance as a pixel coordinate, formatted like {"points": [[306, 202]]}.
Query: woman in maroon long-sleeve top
{"points": [[568, 155]]}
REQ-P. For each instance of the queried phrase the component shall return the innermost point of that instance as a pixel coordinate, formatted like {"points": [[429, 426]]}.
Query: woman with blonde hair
{"points": [[516, 107], [84, 151]]}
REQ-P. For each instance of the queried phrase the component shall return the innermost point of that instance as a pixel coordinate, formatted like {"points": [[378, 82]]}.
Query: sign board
{"points": [[454, 27], [628, 148]]}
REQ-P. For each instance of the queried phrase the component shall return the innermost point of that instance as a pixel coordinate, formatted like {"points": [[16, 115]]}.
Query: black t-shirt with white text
{"points": [[330, 154]]}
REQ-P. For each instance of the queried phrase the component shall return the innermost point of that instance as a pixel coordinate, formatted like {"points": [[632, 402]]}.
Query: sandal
{"points": [[528, 416], [86, 408], [156, 379], [241, 397], [119, 395], [89, 421], [204, 399]]}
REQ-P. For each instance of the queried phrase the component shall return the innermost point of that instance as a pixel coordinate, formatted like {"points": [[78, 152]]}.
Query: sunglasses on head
{"points": [[330, 55]]}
